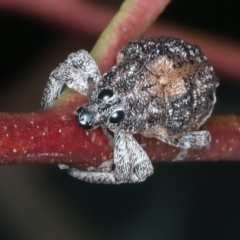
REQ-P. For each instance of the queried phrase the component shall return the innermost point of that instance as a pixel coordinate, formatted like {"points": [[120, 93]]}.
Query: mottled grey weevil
{"points": [[160, 87]]}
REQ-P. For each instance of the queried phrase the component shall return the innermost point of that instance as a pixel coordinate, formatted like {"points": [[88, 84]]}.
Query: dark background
{"points": [[180, 201]]}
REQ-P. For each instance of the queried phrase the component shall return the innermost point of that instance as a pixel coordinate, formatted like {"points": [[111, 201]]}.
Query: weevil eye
{"points": [[116, 116], [84, 118], [105, 94]]}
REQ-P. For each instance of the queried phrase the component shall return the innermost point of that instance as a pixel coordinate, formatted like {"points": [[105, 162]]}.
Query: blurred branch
{"points": [[224, 54], [73, 15], [77, 16]]}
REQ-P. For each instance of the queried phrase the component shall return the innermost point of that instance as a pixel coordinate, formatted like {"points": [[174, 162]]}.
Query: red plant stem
{"points": [[54, 137], [51, 136]]}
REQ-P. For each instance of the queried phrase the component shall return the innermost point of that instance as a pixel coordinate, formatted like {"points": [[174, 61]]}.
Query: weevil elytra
{"points": [[160, 87]]}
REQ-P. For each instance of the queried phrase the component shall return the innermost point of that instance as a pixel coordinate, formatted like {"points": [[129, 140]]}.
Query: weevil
{"points": [[160, 87]]}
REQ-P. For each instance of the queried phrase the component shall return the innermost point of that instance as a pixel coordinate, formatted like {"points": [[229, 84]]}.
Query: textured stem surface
{"points": [[53, 136]]}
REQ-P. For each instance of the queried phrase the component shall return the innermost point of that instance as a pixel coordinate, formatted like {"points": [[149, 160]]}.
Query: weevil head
{"points": [[111, 108], [105, 110]]}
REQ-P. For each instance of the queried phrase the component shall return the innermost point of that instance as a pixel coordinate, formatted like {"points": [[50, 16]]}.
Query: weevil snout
{"points": [[85, 118]]}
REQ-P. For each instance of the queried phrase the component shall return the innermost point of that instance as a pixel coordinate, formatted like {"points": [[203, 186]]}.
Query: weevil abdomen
{"points": [[162, 83]]}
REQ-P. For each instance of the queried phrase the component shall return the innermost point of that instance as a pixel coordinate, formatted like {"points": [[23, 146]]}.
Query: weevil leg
{"points": [[196, 139], [122, 157], [131, 164], [142, 166], [101, 174], [74, 72], [181, 155], [131, 161], [122, 166], [93, 177], [109, 137], [51, 92]]}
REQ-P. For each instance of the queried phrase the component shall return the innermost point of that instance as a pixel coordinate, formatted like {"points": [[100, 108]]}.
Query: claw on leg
{"points": [[51, 92], [93, 177], [181, 155]]}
